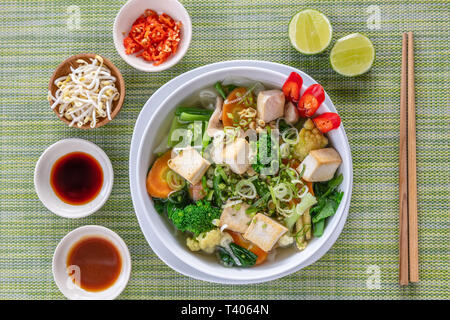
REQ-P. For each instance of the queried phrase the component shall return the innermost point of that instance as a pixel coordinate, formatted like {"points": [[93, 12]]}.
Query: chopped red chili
{"points": [[153, 37], [327, 121]]}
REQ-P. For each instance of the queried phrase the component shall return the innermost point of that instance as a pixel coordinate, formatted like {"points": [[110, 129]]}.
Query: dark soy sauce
{"points": [[76, 178]]}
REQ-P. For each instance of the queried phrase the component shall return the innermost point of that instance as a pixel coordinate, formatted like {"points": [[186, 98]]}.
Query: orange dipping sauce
{"points": [[76, 178], [99, 263]]}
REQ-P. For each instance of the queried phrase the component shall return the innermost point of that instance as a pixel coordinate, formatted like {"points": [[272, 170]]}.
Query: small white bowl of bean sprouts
{"points": [[86, 91]]}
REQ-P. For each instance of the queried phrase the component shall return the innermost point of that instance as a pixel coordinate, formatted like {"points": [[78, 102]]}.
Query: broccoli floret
{"points": [[195, 218]]}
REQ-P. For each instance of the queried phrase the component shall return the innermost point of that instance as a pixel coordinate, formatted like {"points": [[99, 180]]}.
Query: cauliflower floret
{"points": [[285, 241], [209, 240], [226, 239], [192, 244], [310, 138]]}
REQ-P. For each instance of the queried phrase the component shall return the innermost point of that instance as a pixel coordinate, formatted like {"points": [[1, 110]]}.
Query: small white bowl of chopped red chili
{"points": [[152, 35]]}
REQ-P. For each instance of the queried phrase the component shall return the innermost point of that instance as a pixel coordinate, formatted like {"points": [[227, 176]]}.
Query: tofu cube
{"points": [[189, 164], [264, 232], [235, 154], [291, 114], [235, 218], [320, 165], [270, 105]]}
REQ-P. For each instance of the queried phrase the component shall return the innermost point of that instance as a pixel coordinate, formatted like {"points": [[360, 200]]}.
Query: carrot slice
{"points": [[232, 106], [310, 187], [157, 185], [240, 241]]}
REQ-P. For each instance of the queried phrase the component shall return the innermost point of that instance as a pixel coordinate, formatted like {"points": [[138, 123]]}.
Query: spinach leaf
{"points": [[180, 198], [327, 211], [318, 228], [176, 200], [245, 257], [225, 257], [160, 205], [328, 202], [322, 189]]}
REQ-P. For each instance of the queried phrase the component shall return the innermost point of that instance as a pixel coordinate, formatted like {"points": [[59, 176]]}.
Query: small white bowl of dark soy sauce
{"points": [[73, 178]]}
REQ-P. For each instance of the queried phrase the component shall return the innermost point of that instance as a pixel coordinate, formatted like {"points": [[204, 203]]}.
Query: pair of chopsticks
{"points": [[409, 253]]}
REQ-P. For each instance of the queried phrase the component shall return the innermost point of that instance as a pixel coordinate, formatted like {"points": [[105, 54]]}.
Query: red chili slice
{"points": [[292, 87], [166, 19], [139, 20], [157, 35], [131, 46], [311, 100], [327, 121]]}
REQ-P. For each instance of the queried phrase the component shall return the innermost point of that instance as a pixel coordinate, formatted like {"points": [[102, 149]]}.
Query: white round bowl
{"points": [[43, 170], [287, 260], [131, 11], [61, 275]]}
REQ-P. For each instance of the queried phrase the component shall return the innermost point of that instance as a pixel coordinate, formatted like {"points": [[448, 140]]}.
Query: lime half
{"points": [[310, 31], [352, 55]]}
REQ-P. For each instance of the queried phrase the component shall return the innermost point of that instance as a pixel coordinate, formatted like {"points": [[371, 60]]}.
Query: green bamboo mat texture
{"points": [[35, 38]]}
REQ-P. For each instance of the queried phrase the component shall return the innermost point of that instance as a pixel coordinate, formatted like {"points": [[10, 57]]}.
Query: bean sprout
{"points": [[86, 94]]}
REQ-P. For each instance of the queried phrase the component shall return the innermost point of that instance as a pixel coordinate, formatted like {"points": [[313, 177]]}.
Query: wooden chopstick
{"points": [[412, 171], [403, 172]]}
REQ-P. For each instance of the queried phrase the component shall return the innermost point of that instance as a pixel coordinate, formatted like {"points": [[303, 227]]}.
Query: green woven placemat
{"points": [[35, 36]]}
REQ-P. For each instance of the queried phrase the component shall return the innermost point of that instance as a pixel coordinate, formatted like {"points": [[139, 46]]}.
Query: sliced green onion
{"points": [[284, 150], [283, 192], [219, 89], [261, 201], [290, 136], [231, 203], [251, 211], [185, 116], [302, 172], [219, 172], [303, 192], [271, 206], [243, 122], [175, 181], [286, 211], [204, 185], [210, 195], [246, 189], [192, 110], [293, 173]]}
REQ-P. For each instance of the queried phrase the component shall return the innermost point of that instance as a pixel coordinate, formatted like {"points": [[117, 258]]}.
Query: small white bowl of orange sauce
{"points": [[91, 263], [73, 178]]}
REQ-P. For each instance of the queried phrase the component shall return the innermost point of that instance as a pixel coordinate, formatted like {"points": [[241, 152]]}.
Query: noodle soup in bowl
{"points": [[280, 262]]}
